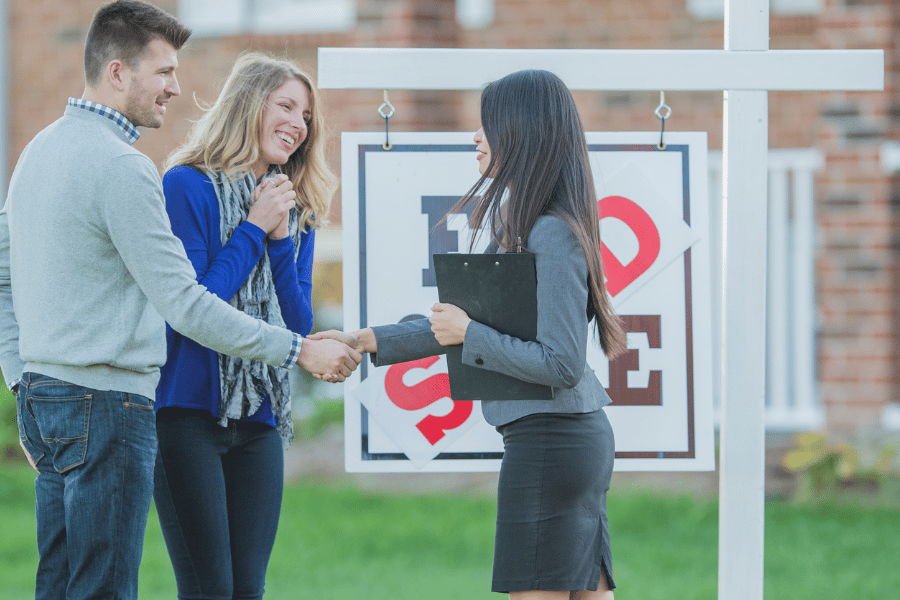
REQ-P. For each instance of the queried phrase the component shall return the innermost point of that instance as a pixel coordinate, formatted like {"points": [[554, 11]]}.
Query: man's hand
{"points": [[449, 324], [28, 456], [361, 340], [328, 357], [15, 391]]}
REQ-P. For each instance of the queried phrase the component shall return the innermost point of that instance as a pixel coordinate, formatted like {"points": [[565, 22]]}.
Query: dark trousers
{"points": [[218, 495]]}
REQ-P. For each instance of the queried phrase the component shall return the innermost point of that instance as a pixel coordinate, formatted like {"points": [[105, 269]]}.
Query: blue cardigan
{"points": [[190, 377]]}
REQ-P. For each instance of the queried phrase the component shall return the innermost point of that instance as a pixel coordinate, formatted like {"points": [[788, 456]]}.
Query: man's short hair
{"points": [[122, 29]]}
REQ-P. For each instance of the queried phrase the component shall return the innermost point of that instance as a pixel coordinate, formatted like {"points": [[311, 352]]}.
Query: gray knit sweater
{"points": [[90, 270]]}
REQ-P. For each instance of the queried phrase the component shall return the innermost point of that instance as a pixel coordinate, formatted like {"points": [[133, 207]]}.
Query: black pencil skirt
{"points": [[552, 531]]}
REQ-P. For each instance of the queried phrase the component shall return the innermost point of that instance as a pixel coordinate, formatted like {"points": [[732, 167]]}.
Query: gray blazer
{"points": [[556, 359]]}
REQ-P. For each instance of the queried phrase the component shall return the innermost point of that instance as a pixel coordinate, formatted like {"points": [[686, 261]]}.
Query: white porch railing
{"points": [[792, 401]]}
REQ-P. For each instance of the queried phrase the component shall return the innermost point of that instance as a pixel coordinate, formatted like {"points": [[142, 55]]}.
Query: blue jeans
{"points": [[218, 494], [94, 451]]}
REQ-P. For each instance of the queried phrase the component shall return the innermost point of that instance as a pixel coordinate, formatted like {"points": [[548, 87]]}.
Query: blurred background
{"points": [[835, 278], [833, 360]]}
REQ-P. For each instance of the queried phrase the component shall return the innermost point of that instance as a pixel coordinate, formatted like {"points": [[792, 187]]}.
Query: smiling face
{"points": [[285, 125], [483, 149], [150, 85]]}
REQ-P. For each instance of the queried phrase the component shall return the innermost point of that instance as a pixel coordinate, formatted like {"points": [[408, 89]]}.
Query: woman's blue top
{"points": [[190, 377]]}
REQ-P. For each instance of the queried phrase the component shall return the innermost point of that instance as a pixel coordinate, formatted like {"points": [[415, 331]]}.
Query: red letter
{"points": [[423, 394], [619, 276]]}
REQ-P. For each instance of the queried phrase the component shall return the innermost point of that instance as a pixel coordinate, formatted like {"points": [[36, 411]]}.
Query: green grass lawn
{"points": [[335, 542]]}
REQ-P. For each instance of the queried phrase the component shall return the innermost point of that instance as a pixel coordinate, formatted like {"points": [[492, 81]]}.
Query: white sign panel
{"points": [[653, 212]]}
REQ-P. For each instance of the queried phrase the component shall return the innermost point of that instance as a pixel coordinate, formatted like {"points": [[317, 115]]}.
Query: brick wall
{"points": [[857, 260], [857, 264]]}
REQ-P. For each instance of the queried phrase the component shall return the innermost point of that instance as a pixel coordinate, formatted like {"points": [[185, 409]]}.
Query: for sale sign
{"points": [[653, 211]]}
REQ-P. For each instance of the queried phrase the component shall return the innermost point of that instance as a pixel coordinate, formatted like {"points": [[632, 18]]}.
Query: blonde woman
{"points": [[244, 194]]}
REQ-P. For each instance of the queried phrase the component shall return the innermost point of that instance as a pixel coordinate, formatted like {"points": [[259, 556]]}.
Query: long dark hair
{"points": [[539, 154]]}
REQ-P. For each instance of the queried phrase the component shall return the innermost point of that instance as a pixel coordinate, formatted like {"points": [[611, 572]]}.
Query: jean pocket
{"points": [[139, 403], [62, 412]]}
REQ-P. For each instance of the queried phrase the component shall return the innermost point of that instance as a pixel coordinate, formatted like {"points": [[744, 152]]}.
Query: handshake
{"points": [[333, 355]]}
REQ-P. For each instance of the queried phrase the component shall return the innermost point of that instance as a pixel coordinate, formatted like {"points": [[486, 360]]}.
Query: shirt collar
{"points": [[113, 115]]}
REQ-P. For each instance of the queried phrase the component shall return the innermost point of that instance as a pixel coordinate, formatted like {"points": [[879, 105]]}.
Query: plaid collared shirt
{"points": [[112, 114]]}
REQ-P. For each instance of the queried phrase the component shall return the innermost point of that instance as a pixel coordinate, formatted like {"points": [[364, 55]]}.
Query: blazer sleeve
{"points": [[558, 357], [405, 341]]}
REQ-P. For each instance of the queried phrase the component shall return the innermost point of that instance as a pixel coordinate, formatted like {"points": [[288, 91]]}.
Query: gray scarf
{"points": [[244, 384]]}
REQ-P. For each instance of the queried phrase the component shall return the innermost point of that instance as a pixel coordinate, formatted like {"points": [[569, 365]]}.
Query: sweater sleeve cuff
{"points": [[294, 354], [253, 230], [281, 250], [12, 367], [281, 243]]}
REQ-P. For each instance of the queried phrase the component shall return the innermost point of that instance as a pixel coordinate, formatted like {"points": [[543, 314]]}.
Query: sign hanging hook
{"points": [[662, 112], [386, 111]]}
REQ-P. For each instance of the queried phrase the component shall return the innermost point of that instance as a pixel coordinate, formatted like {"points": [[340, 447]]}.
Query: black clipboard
{"points": [[499, 290]]}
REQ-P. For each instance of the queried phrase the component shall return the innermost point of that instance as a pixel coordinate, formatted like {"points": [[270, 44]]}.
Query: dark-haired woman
{"points": [[552, 539]]}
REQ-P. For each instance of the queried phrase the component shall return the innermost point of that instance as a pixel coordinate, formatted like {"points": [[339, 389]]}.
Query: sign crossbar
{"points": [[696, 70]]}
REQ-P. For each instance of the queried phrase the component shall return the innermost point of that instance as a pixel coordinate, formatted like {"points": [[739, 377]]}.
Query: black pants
{"points": [[218, 494]]}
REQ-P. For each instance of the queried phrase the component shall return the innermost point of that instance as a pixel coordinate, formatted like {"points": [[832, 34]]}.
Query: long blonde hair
{"points": [[226, 137]]}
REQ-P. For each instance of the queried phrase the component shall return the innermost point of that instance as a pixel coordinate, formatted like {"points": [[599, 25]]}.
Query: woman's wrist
{"points": [[367, 341]]}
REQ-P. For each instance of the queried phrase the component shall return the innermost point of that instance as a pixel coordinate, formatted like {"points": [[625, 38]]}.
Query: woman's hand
{"points": [[271, 203], [449, 324], [282, 230], [361, 340]]}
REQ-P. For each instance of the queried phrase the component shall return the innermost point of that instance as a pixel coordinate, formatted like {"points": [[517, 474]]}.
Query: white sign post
{"points": [[745, 70]]}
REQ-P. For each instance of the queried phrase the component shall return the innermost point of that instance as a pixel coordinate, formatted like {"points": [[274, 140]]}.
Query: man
{"points": [[89, 273]]}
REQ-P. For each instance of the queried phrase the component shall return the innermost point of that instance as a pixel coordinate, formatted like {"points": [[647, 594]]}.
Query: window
{"points": [[473, 14], [224, 17]]}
